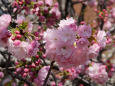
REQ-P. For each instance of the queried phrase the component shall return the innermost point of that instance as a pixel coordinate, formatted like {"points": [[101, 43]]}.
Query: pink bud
{"points": [[17, 32], [33, 65], [18, 70], [26, 70], [13, 38], [36, 33], [25, 74], [18, 36], [17, 42], [37, 56]]}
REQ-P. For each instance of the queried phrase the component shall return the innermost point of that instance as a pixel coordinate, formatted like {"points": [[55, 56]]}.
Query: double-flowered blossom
{"points": [[98, 73], [23, 49], [93, 50], [69, 44], [84, 31], [101, 38], [62, 45], [39, 81], [112, 15], [4, 33]]}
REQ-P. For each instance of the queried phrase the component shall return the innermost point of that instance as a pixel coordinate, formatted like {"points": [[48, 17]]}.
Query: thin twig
{"points": [[51, 72], [102, 6], [20, 78]]}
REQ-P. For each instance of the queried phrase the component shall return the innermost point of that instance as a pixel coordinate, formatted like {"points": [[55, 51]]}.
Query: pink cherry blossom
{"points": [[101, 38], [68, 21], [98, 73], [56, 11], [41, 76], [4, 33], [20, 19], [23, 49], [93, 51], [5, 20], [82, 43], [113, 13], [107, 25], [84, 31], [49, 2], [60, 46]]}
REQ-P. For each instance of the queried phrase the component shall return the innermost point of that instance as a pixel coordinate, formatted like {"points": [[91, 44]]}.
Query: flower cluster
{"points": [[23, 49], [74, 48], [46, 11], [70, 45]]}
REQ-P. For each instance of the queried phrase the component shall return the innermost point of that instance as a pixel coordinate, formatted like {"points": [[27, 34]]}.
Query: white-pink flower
{"points": [[22, 49], [4, 33], [93, 51], [82, 43], [84, 31], [49, 2], [101, 38], [67, 22], [39, 81], [60, 46], [113, 13], [56, 11], [107, 25], [98, 73], [20, 19], [5, 20]]}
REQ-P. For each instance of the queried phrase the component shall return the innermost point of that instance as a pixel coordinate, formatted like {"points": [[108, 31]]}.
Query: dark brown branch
{"points": [[45, 82], [3, 54], [72, 11], [77, 2], [20, 78], [66, 8], [60, 8], [80, 80], [81, 16]]}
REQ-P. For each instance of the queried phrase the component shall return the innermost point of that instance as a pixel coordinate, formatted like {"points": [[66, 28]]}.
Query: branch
{"points": [[20, 78], [72, 11], [80, 81], [9, 68], [102, 6], [77, 2], [66, 8], [3, 54], [81, 16], [45, 82], [9, 8]]}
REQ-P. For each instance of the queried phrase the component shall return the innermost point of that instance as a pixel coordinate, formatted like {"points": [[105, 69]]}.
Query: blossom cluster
{"points": [[46, 11], [71, 45], [94, 3], [14, 41]]}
